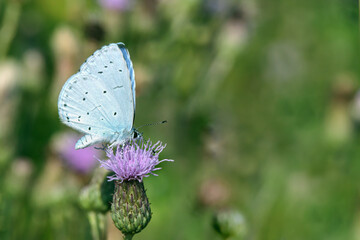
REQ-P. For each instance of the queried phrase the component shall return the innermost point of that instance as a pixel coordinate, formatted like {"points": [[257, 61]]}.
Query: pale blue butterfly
{"points": [[99, 100]]}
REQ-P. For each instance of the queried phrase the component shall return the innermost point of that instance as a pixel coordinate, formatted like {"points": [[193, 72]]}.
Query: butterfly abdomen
{"points": [[87, 140]]}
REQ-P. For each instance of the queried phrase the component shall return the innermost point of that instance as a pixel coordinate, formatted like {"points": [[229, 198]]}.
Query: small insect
{"points": [[99, 100]]}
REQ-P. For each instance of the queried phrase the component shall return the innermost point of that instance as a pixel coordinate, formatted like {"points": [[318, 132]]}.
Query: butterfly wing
{"points": [[129, 65], [99, 100], [111, 56]]}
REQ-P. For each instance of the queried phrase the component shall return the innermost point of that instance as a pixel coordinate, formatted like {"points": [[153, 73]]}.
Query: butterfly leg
{"points": [[104, 146]]}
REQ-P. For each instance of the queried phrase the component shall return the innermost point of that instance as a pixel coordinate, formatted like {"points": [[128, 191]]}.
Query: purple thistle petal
{"points": [[117, 5], [133, 161]]}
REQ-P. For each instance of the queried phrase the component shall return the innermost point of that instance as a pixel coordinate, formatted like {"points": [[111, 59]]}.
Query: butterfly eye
{"points": [[135, 134]]}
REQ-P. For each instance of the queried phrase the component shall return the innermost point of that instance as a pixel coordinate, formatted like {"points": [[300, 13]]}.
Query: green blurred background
{"points": [[261, 102]]}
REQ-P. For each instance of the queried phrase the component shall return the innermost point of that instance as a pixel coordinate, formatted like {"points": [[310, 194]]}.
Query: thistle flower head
{"points": [[134, 160], [117, 5], [82, 160]]}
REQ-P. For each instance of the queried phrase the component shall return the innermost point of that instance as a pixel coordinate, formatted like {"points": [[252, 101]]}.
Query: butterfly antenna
{"points": [[151, 124]]}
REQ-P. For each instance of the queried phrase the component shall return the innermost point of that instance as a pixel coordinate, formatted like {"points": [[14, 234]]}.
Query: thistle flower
{"points": [[82, 160], [117, 5], [133, 161], [130, 209]]}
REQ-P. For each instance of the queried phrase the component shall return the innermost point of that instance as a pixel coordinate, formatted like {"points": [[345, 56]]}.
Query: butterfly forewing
{"points": [[111, 54], [129, 65], [110, 65]]}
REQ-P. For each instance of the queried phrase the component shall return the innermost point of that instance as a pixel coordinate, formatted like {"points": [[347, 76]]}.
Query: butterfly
{"points": [[99, 100]]}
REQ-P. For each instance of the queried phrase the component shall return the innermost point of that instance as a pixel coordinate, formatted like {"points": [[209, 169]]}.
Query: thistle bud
{"points": [[230, 224], [130, 209], [97, 195]]}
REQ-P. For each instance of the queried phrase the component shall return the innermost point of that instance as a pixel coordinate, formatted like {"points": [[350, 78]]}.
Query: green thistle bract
{"points": [[130, 209]]}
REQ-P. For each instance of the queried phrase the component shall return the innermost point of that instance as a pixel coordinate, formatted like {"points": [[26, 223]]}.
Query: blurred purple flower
{"points": [[133, 161], [117, 5], [81, 160]]}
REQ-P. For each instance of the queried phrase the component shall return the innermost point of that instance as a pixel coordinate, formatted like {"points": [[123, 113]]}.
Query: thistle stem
{"points": [[97, 224], [9, 26], [128, 236]]}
